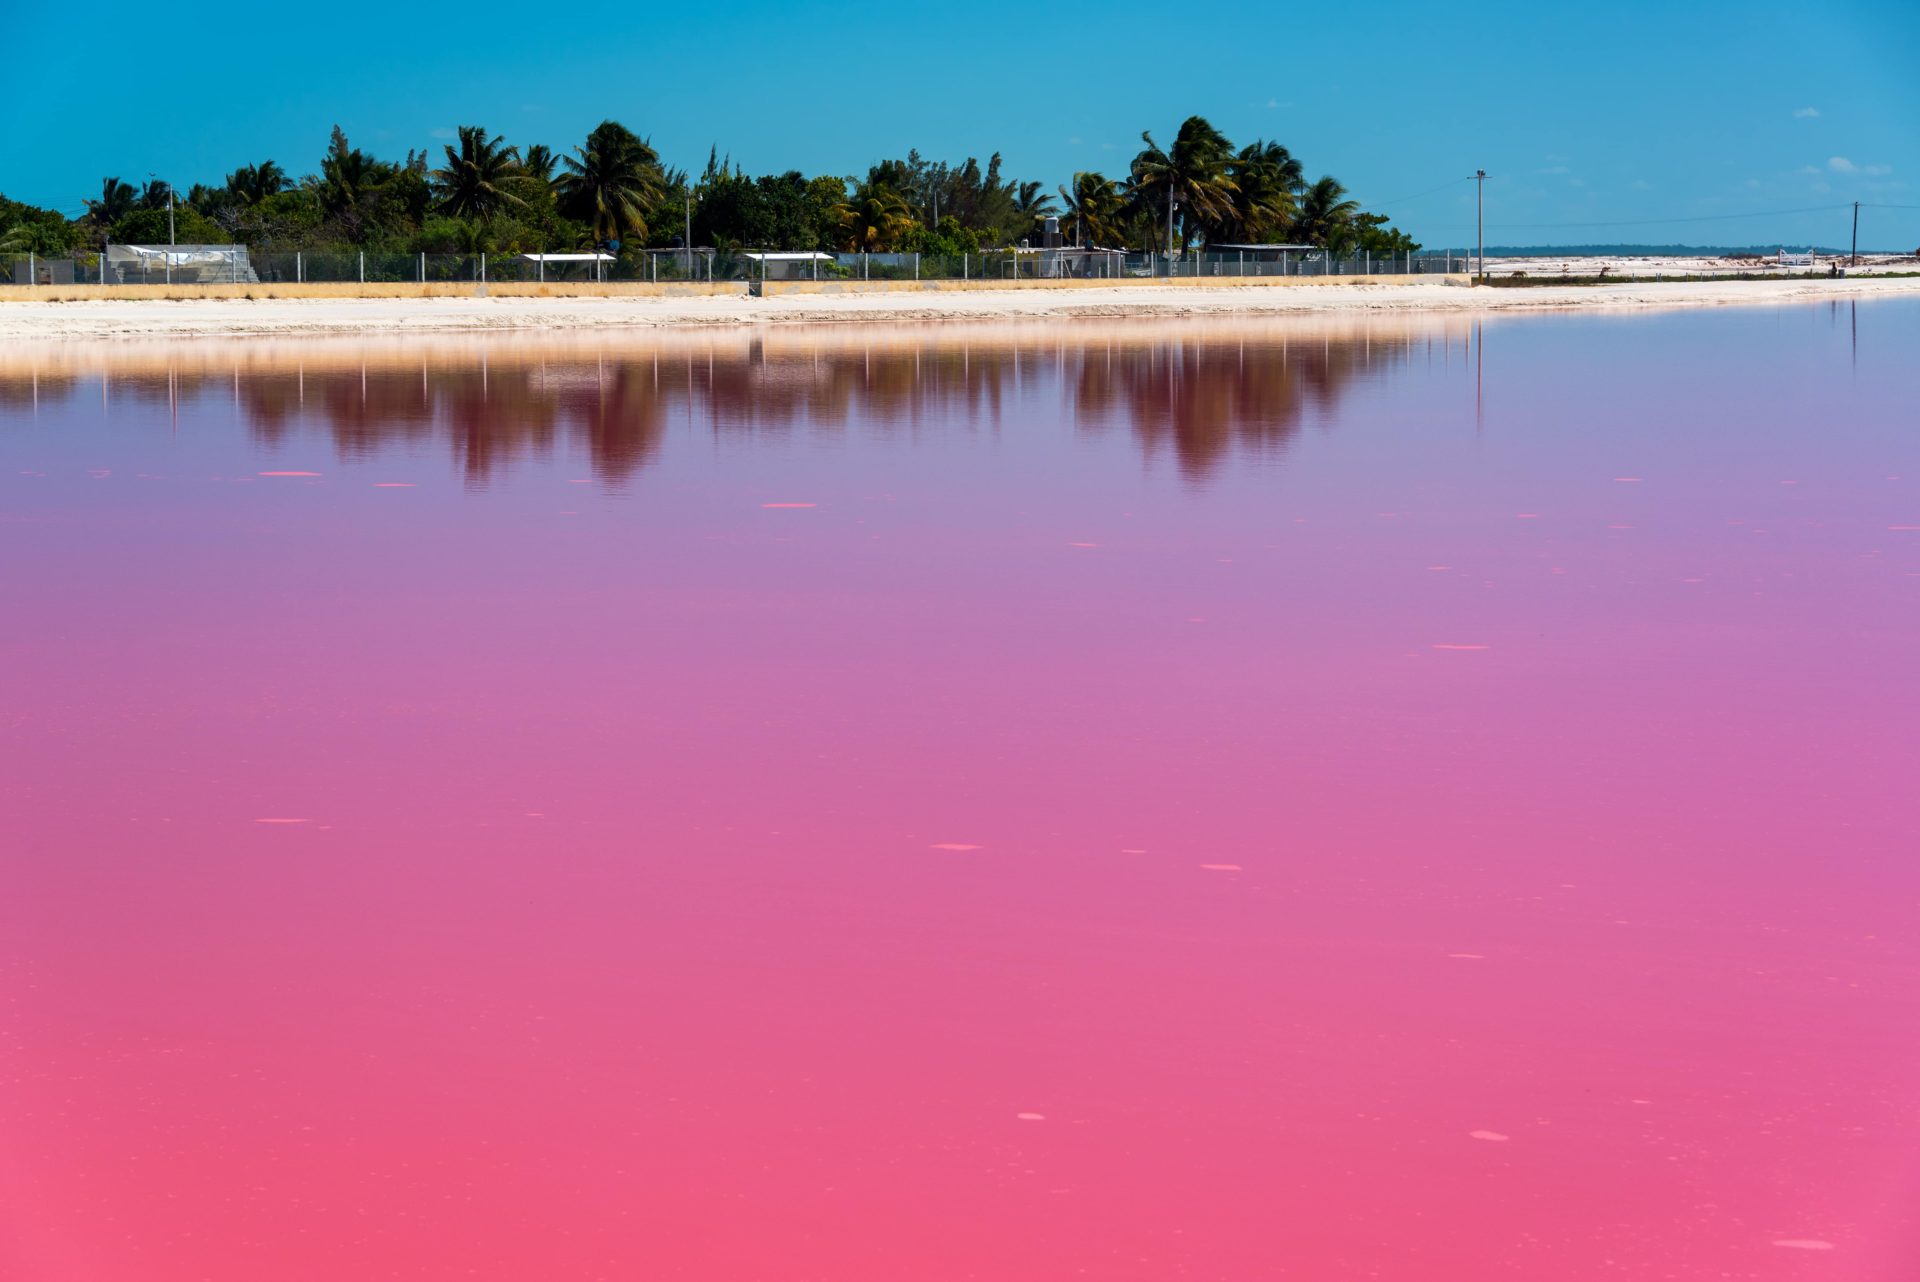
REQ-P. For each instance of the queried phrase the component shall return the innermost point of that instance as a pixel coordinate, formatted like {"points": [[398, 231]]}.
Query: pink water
{"points": [[1116, 803]]}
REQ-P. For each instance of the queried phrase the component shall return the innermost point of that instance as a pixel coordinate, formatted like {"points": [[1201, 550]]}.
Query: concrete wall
{"points": [[378, 289], [697, 289], [775, 288]]}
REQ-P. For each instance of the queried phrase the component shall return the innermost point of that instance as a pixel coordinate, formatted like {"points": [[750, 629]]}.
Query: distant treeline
{"points": [[1656, 251], [613, 193]]}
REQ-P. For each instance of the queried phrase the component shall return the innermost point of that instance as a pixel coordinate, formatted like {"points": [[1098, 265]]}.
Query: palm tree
{"points": [[116, 202], [611, 182], [1030, 204], [1324, 212], [251, 184], [157, 194], [1267, 176], [345, 174], [874, 218], [537, 162], [475, 183], [1094, 207], [1195, 173]]}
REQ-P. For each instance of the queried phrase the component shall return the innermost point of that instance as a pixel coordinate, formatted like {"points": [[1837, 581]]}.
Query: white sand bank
{"points": [[110, 318]]}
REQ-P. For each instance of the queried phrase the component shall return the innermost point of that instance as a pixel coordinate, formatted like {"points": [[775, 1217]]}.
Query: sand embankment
{"points": [[157, 318]]}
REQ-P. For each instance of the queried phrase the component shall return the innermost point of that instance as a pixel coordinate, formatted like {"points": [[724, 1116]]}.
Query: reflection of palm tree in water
{"points": [[487, 417], [1203, 400], [1200, 397]]}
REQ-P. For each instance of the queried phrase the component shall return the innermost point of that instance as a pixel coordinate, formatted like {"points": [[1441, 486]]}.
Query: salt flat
{"points": [[106, 318]]}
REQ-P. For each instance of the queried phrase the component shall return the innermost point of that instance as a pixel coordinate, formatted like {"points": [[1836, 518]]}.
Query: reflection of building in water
{"points": [[1199, 396]]}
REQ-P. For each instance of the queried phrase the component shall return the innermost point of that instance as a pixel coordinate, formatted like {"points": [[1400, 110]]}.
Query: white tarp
{"points": [[181, 255], [568, 258]]}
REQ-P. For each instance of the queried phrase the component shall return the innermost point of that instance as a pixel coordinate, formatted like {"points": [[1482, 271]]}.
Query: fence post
{"points": [[865, 258], [299, 268], [916, 264], [423, 267], [542, 260], [103, 263], [363, 267], [483, 268], [33, 271], [963, 265]]}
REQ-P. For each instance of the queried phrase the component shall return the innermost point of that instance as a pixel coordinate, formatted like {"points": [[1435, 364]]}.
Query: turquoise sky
{"points": [[1594, 120]]}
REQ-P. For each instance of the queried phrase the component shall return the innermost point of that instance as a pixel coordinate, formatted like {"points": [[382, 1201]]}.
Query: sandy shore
{"points": [[113, 318]]}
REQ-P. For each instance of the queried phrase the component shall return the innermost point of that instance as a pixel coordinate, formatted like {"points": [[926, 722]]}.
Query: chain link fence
{"points": [[185, 266]]}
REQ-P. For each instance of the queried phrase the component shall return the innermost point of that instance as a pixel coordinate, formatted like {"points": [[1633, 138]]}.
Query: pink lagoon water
{"points": [[1118, 802]]}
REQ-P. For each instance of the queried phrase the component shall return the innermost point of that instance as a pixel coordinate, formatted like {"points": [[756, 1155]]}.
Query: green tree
{"points": [[478, 177], [117, 200], [346, 175], [538, 162], [1371, 232], [149, 227], [611, 182], [29, 229], [1325, 212], [1030, 205], [1094, 206], [1265, 176], [1195, 173], [251, 184], [948, 240], [874, 218]]}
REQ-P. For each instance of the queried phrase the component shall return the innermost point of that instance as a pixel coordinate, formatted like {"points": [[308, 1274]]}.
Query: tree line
{"points": [[612, 192]]}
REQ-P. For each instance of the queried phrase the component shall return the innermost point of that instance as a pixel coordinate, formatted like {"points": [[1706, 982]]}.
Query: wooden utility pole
{"points": [[1480, 217], [1856, 234]]}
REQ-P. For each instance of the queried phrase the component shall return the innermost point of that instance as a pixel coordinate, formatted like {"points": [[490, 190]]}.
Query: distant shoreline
{"points": [[97, 318]]}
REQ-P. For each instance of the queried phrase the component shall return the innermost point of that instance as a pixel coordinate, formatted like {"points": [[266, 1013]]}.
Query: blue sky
{"points": [[1589, 117]]}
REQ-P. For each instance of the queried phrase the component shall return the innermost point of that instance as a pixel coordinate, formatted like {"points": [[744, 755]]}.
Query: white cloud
{"points": [[442, 133], [1841, 165], [1805, 113], [1552, 169]]}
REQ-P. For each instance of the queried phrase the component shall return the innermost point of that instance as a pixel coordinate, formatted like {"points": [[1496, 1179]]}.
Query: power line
{"points": [[1694, 218], [1402, 200]]}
